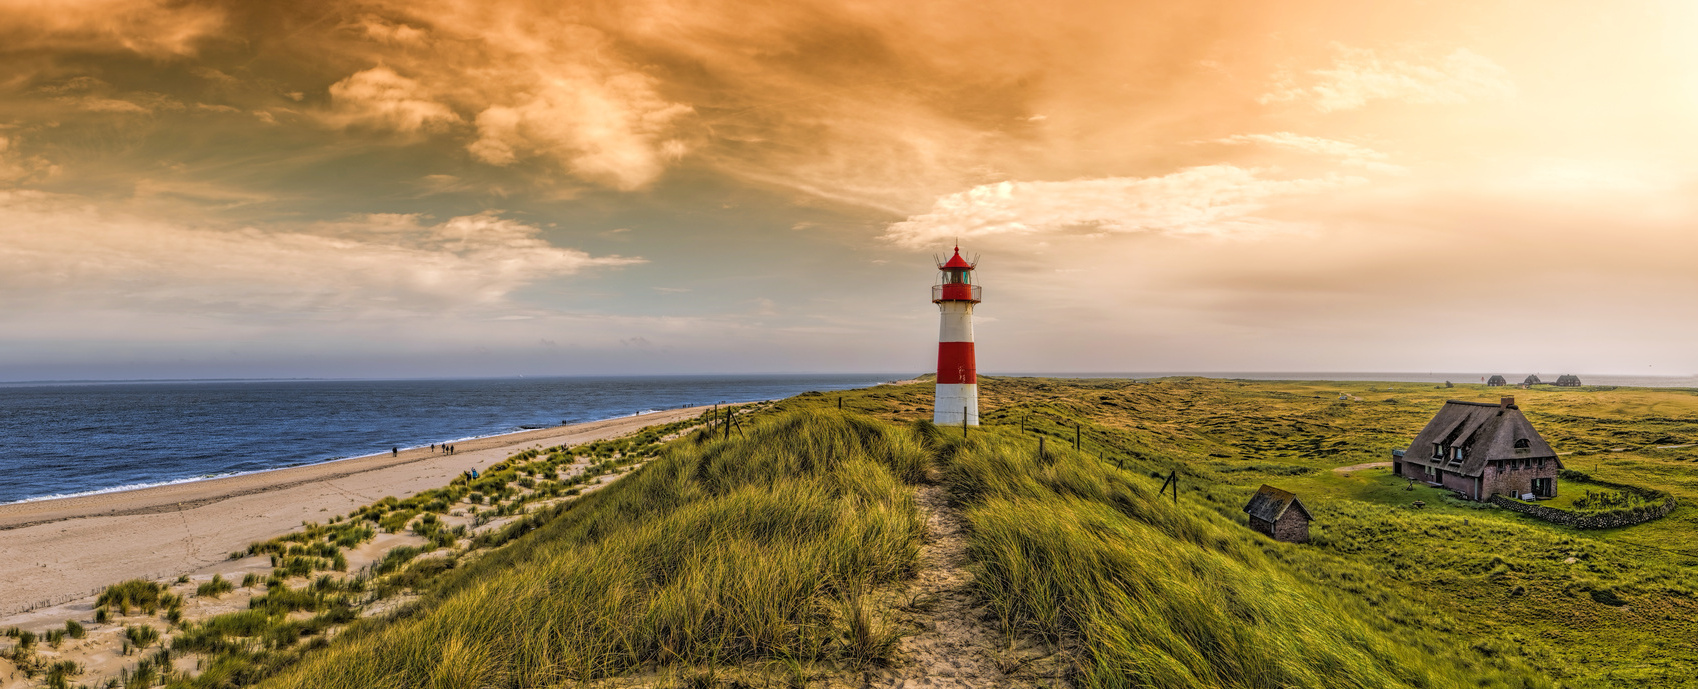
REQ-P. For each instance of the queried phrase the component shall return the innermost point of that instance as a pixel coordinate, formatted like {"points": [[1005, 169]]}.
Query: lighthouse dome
{"points": [[957, 262]]}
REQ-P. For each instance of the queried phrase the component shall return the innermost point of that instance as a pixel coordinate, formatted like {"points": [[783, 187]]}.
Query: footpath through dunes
{"points": [[56, 550]]}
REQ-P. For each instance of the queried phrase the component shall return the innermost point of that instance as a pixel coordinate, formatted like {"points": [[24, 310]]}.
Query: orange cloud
{"points": [[380, 98], [154, 28], [1215, 200]]}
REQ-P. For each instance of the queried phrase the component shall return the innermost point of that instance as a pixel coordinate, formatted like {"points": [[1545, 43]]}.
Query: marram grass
{"points": [[1158, 595], [724, 551]]}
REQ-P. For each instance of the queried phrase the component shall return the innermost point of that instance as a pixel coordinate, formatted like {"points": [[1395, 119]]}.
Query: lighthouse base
{"points": [[954, 399]]}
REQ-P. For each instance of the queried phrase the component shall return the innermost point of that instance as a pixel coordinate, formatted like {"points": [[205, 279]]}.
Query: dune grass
{"points": [[1159, 595], [757, 548]]}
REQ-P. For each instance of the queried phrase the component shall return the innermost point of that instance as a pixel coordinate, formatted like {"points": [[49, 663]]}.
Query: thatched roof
{"points": [[1485, 432], [1568, 380], [1270, 503], [1532, 380], [1496, 380]]}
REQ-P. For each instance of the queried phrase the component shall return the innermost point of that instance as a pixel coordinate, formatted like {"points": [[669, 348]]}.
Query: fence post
{"points": [[963, 422]]}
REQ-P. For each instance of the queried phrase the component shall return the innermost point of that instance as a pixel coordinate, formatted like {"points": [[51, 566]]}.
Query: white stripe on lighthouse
{"points": [[957, 325], [952, 398]]}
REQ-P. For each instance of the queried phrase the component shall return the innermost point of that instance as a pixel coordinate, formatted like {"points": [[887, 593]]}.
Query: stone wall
{"points": [[1595, 520]]}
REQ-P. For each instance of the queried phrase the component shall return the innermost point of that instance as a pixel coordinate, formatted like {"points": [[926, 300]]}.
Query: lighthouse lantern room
{"points": [[957, 377]]}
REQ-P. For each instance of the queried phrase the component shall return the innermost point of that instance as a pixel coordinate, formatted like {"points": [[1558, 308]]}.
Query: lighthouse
{"points": [[957, 379]]}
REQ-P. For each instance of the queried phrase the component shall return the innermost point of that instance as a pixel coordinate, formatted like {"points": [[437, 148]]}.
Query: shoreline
{"points": [[52, 548], [118, 490]]}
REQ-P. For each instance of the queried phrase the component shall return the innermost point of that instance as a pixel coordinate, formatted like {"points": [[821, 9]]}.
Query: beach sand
{"points": [[53, 550]]}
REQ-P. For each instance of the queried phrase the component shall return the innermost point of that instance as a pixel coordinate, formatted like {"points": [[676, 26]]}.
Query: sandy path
{"points": [[54, 550], [1359, 467], [957, 645]]}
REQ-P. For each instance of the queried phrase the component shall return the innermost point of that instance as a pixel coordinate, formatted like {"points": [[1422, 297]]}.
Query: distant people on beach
{"points": [[394, 452]]}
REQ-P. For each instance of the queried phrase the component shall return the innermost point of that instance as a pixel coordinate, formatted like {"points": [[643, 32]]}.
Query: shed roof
{"points": [[1270, 503], [1485, 432]]}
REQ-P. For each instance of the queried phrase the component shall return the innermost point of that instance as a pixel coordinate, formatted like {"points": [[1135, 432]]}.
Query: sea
{"points": [[65, 439], [79, 438]]}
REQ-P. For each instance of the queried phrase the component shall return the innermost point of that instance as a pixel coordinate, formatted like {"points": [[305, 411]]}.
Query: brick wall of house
{"points": [[1292, 527], [1261, 526], [1459, 483], [1510, 479]]}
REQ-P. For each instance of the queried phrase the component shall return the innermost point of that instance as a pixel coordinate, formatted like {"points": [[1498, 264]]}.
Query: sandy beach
{"points": [[51, 550]]}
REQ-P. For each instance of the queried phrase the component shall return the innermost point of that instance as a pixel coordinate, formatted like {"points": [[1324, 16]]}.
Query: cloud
{"points": [[152, 28], [62, 246], [606, 128], [1348, 153], [1358, 76], [16, 167], [380, 98], [1209, 200]]}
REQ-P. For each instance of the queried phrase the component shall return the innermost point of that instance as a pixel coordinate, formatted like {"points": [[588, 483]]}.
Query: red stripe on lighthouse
{"points": [[955, 363]]}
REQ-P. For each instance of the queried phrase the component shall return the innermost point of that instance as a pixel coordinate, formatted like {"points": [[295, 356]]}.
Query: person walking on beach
{"points": [[394, 452]]}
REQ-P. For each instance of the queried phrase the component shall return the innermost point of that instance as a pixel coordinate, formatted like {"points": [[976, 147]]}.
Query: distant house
{"points": [[1568, 380], [1479, 449], [1533, 380], [1271, 512], [1495, 381]]}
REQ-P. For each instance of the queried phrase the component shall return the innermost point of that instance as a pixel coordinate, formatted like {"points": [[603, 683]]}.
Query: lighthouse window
{"points": [[957, 277]]}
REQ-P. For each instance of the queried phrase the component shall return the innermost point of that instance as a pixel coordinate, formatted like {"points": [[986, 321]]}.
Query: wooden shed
{"points": [[1279, 514]]}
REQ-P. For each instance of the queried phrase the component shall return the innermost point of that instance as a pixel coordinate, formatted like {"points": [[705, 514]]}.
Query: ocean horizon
{"points": [[70, 438]]}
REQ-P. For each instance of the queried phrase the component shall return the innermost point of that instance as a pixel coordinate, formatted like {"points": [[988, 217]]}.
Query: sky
{"points": [[514, 187]]}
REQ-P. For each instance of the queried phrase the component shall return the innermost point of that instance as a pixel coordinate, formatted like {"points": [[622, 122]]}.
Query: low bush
{"points": [[215, 588]]}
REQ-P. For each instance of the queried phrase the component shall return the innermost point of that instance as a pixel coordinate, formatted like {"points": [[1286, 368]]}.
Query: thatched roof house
{"points": [[1478, 449], [1532, 380], [1279, 514], [1496, 381], [1568, 380]]}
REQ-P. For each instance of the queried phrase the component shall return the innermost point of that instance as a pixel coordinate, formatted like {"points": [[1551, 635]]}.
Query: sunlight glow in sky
{"points": [[501, 187]]}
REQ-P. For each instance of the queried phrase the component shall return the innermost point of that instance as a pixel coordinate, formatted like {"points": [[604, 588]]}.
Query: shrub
{"points": [[135, 593], [75, 629], [141, 636], [215, 588]]}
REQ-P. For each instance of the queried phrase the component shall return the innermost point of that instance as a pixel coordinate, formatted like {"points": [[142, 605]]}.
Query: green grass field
{"points": [[1588, 608], [776, 556]]}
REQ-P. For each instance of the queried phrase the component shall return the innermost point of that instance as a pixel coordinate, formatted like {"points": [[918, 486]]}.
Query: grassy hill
{"points": [[774, 549], [799, 549]]}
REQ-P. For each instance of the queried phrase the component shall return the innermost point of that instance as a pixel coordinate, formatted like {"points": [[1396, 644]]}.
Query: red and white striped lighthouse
{"points": [[957, 379]]}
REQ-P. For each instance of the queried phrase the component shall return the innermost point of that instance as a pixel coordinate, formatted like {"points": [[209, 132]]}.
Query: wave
{"points": [[133, 486]]}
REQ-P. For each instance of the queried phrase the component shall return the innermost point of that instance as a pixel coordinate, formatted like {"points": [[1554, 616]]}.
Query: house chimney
{"points": [[1507, 403]]}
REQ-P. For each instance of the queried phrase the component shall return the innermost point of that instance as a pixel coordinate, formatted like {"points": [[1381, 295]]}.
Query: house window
{"points": [[1459, 454], [1523, 443], [1438, 451]]}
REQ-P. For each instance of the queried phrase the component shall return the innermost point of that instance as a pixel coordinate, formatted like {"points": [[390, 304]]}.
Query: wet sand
{"points": [[55, 550]]}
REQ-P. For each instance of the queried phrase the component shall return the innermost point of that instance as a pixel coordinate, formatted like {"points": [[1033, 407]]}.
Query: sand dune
{"points": [[55, 549]]}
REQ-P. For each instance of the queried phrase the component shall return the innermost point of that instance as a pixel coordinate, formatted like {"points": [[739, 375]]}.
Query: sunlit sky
{"points": [[492, 187]]}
